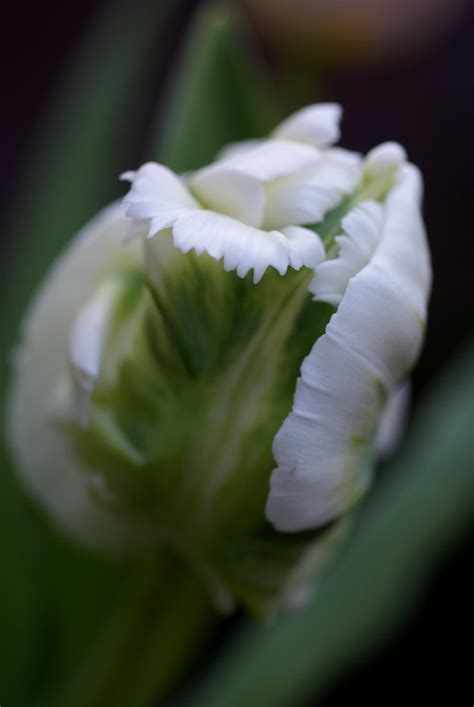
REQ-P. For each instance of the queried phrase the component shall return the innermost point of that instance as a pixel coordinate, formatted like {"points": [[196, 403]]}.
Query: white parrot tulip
{"points": [[256, 314]]}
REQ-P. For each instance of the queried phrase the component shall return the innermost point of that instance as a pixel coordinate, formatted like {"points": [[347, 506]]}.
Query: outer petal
{"points": [[393, 421], [88, 337], [158, 195], [317, 125], [47, 463], [244, 248], [154, 181], [370, 344]]}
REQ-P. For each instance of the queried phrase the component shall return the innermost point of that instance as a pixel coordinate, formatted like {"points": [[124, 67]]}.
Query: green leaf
{"points": [[90, 137], [150, 625], [219, 94], [18, 614], [417, 511], [88, 140]]}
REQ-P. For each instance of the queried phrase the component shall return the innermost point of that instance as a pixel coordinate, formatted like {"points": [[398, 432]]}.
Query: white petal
{"points": [[305, 247], [370, 344], [88, 337], [155, 181], [165, 217], [338, 168], [383, 159], [309, 195], [47, 463], [393, 421], [317, 446], [158, 196], [298, 204], [363, 226], [244, 248], [230, 192], [317, 125], [270, 160], [238, 148]]}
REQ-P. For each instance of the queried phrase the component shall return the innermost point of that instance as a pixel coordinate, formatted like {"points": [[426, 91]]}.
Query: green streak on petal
{"points": [[330, 226], [198, 373]]}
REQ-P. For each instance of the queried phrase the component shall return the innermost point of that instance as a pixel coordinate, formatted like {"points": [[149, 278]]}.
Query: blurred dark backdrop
{"points": [[423, 98]]}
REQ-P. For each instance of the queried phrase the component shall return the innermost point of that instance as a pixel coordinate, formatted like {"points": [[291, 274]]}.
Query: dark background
{"points": [[425, 100]]}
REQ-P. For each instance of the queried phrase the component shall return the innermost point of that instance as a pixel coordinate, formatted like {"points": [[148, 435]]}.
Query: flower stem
{"points": [[150, 636]]}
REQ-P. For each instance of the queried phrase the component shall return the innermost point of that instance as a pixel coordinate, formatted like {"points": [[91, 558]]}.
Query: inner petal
{"points": [[229, 192]]}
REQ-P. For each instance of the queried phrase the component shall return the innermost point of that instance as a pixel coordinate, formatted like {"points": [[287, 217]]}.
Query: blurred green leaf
{"points": [[415, 514], [49, 590], [18, 617], [220, 93], [90, 137], [66, 614], [146, 631]]}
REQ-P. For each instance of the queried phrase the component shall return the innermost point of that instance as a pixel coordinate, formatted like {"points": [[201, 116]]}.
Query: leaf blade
{"points": [[220, 93]]}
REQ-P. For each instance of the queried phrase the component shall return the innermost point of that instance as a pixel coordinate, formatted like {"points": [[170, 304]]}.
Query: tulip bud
{"points": [[206, 366]]}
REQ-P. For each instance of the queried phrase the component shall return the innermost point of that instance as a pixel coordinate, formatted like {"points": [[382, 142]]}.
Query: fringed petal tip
{"points": [[243, 248]]}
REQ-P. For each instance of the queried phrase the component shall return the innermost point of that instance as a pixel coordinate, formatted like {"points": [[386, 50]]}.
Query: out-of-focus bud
{"points": [[350, 31], [206, 366]]}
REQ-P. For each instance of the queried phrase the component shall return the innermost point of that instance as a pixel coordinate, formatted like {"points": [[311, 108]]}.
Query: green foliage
{"points": [[52, 595], [90, 137], [219, 94], [79, 629]]}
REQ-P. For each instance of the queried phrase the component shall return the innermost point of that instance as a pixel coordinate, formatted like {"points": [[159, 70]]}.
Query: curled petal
{"points": [[305, 247], [363, 227], [323, 447], [316, 125], [154, 181], [87, 340], [384, 158], [244, 248], [157, 195]]}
